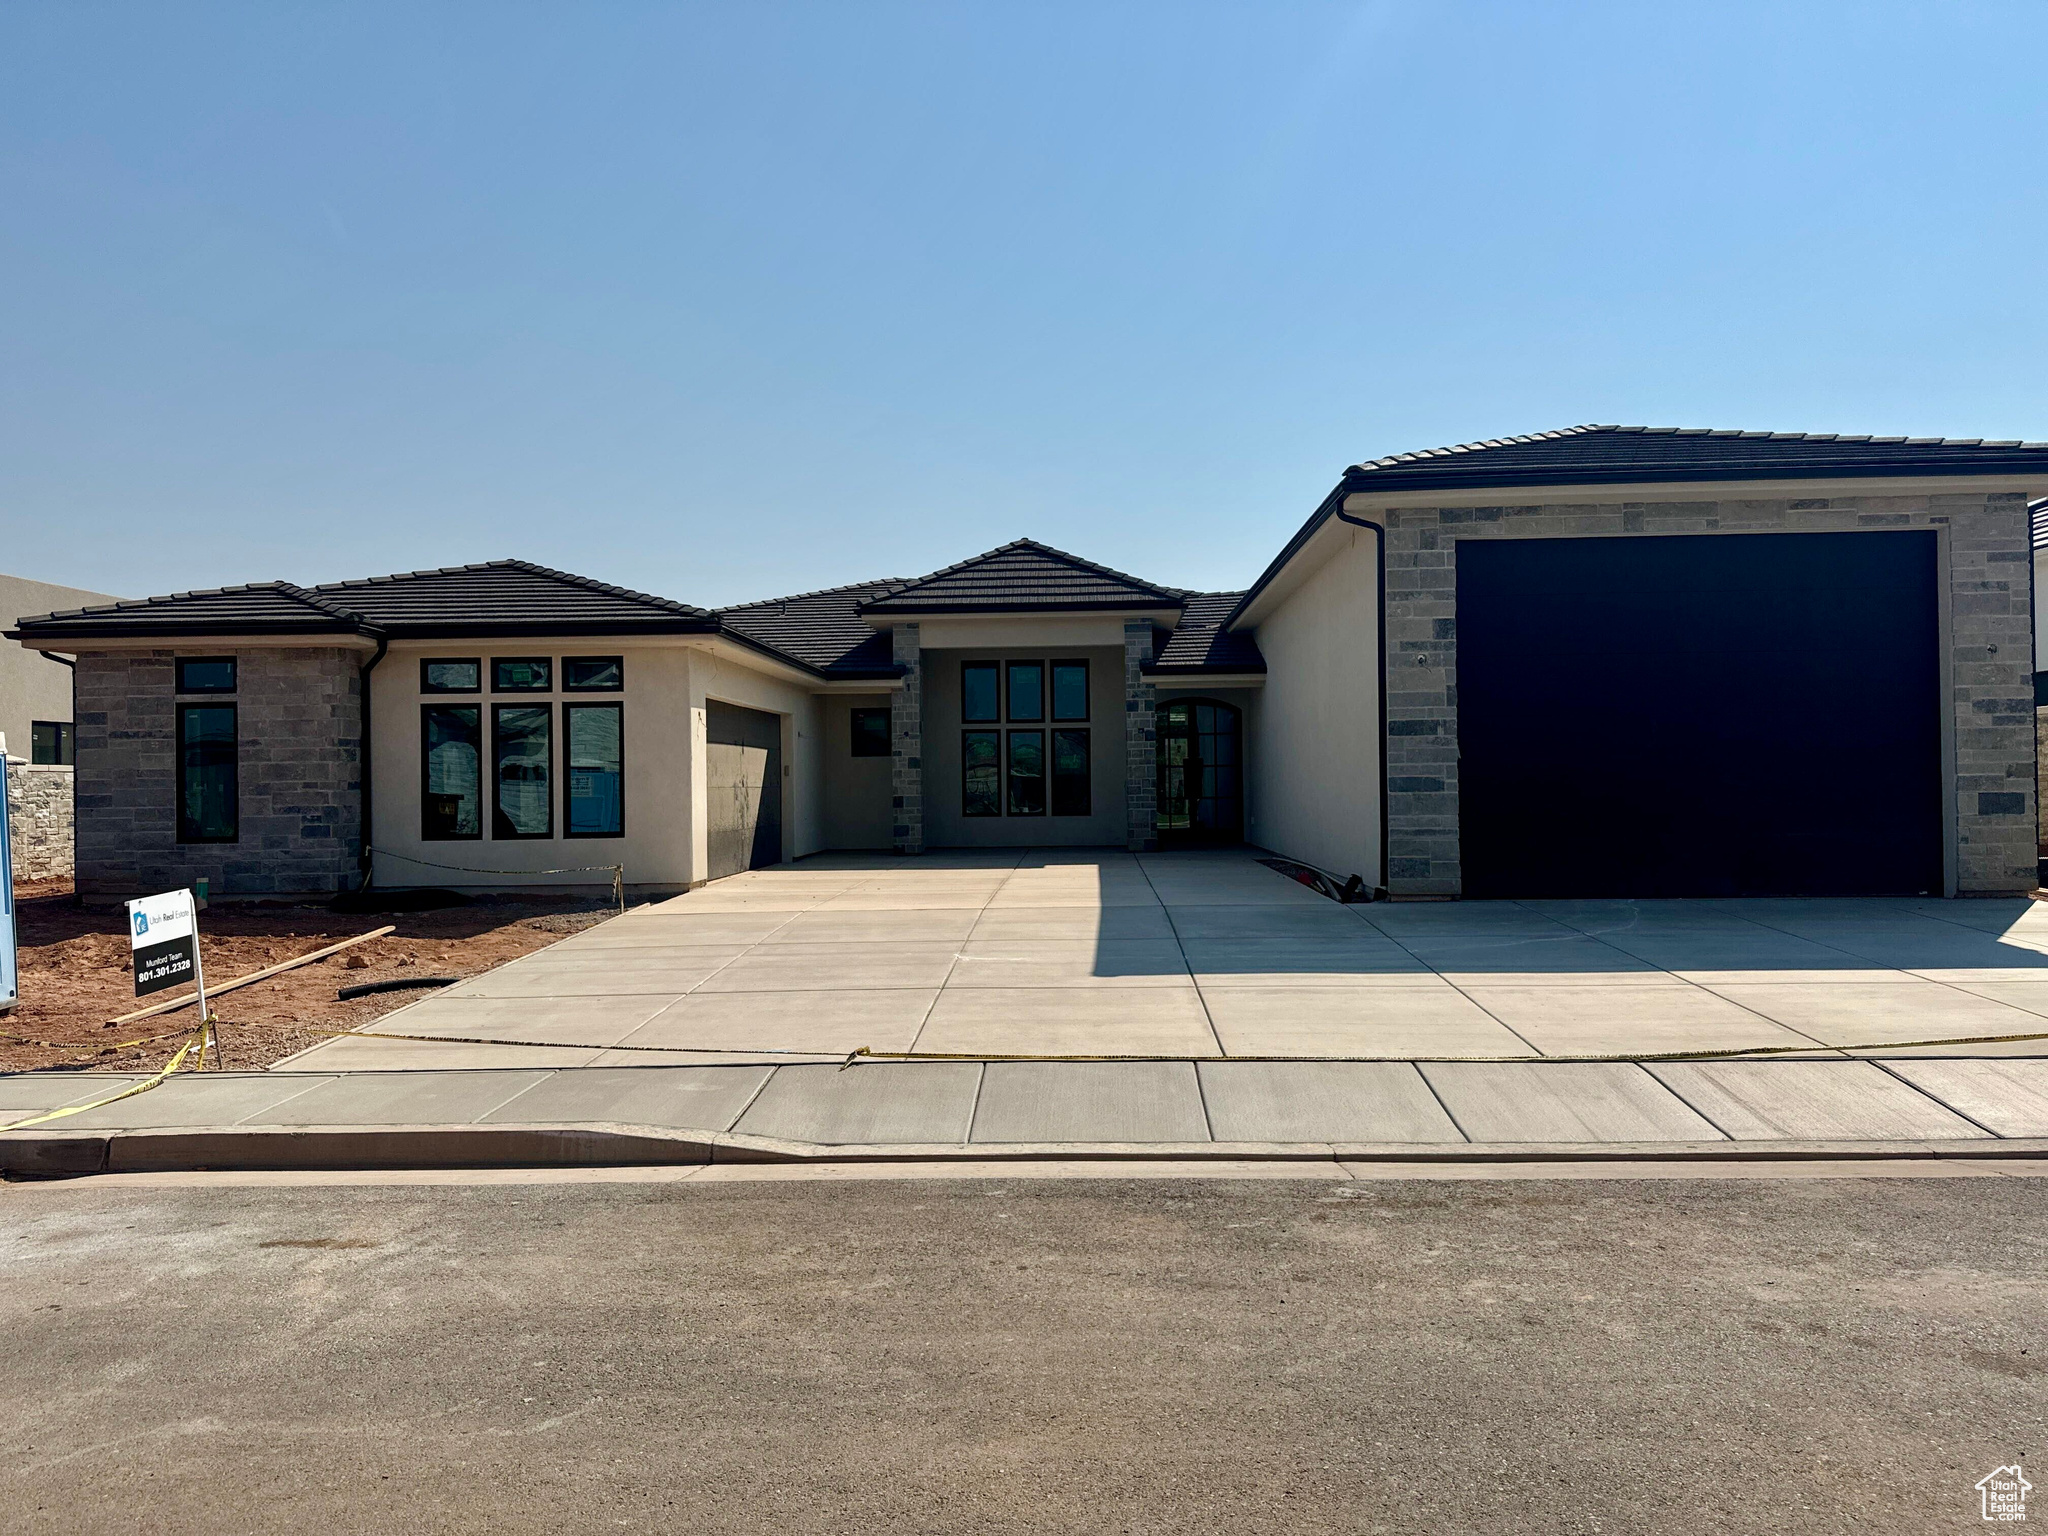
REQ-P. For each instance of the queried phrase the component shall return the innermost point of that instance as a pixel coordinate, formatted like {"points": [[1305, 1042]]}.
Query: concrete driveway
{"points": [[1213, 954]]}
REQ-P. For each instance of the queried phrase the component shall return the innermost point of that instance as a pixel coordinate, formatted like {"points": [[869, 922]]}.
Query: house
{"points": [[36, 731], [1602, 661]]}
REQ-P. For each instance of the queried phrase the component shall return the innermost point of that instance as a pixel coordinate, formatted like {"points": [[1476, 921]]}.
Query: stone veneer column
{"points": [[906, 741], [1141, 772]]}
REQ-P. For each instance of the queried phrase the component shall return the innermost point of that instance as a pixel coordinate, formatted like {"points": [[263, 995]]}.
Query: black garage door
{"points": [[743, 785], [1699, 716]]}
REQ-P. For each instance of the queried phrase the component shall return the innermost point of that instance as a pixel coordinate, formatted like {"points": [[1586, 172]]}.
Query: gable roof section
{"points": [[263, 608], [820, 630], [508, 597], [1600, 455], [1024, 577], [1201, 644], [501, 597]]}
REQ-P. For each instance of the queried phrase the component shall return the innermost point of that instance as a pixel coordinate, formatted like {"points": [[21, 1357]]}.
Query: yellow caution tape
{"points": [[197, 1044]]}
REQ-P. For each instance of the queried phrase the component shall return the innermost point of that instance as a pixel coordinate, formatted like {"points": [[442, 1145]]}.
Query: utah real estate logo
{"points": [[2004, 1492]]}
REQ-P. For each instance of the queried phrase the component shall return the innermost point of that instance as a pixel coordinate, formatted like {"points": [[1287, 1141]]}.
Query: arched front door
{"points": [[1201, 779]]}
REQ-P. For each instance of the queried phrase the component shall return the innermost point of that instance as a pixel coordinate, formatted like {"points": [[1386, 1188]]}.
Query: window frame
{"points": [[497, 783], [966, 766], [180, 663], [996, 669], [617, 707], [426, 776], [1010, 713], [615, 661], [63, 741], [1052, 774], [547, 663], [1053, 716], [185, 835], [1010, 776], [450, 661], [853, 734]]}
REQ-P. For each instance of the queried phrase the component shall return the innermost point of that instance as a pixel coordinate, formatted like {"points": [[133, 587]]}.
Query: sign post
{"points": [[163, 933], [10, 972]]}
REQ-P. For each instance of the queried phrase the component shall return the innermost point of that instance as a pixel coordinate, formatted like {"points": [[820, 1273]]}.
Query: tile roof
{"points": [[1612, 454], [1201, 644], [500, 597], [1025, 577], [822, 630]]}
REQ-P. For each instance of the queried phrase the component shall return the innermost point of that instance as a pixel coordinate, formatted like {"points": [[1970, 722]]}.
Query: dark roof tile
{"points": [[1025, 577], [1201, 644], [822, 630]]}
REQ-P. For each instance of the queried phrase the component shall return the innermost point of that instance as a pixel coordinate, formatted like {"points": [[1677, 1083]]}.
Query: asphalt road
{"points": [[1021, 1355]]}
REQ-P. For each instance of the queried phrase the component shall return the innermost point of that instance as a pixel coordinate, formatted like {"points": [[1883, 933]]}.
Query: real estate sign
{"points": [[164, 934], [10, 973]]}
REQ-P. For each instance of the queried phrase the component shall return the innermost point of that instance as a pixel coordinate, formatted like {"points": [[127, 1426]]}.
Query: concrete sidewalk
{"points": [[509, 1117]]}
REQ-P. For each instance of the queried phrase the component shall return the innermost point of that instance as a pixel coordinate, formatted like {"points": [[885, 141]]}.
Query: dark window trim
{"points": [[234, 776], [521, 837], [1052, 758], [1044, 775], [997, 717], [853, 736], [1009, 702], [451, 661], [483, 768], [63, 741], [182, 662], [1052, 691], [570, 661], [618, 707], [546, 661], [966, 814]]}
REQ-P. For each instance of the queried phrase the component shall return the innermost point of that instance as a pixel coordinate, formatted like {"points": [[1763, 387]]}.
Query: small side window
{"points": [[52, 741], [871, 732], [206, 674], [522, 674], [464, 675], [593, 674]]}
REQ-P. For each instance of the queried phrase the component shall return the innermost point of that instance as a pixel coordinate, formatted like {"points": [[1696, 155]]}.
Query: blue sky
{"points": [[727, 301]]}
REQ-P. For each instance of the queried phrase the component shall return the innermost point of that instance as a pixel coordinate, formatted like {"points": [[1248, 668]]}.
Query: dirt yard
{"points": [[76, 975]]}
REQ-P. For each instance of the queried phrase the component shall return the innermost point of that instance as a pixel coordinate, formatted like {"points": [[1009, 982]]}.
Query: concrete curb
{"points": [[603, 1144]]}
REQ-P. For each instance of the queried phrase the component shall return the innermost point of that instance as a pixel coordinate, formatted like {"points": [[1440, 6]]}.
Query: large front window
{"points": [[596, 805], [209, 809], [522, 757], [451, 767], [1012, 772]]}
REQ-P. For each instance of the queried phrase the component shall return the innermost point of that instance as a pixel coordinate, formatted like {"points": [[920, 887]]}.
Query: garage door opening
{"points": [[1720, 715], [743, 780]]}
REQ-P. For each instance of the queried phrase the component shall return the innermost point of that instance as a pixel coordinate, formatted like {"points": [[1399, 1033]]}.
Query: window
{"points": [[596, 805], [452, 676], [1027, 773], [206, 674], [451, 772], [208, 808], [52, 741], [521, 756], [1070, 774], [522, 674], [870, 730], [593, 674], [1070, 690], [978, 692], [980, 774], [1027, 690]]}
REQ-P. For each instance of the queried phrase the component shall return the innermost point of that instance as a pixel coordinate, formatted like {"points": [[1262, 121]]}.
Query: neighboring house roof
{"points": [[822, 630], [1024, 577], [1599, 455], [1201, 645], [500, 597]]}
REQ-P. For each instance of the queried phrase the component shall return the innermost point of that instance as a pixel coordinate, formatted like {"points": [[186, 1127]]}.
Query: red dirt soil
{"points": [[76, 973]]}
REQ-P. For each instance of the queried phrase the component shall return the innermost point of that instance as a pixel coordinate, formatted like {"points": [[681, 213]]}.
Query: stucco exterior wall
{"points": [[1988, 657], [1314, 743], [298, 725], [803, 751], [945, 827], [31, 686], [856, 789], [39, 818]]}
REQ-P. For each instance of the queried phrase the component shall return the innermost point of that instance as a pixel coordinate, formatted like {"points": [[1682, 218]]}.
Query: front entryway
{"points": [[743, 782], [1718, 715], [1201, 780]]}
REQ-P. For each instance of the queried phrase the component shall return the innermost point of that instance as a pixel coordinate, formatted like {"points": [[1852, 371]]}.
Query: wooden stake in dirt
{"points": [[243, 981]]}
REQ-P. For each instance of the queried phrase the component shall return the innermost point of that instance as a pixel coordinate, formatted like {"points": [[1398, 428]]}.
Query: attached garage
{"points": [[743, 782], [1713, 715]]}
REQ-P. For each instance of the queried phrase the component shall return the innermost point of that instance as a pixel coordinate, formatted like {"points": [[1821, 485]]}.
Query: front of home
{"points": [[1602, 662]]}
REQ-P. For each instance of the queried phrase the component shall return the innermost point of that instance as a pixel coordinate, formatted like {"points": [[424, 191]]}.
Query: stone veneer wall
{"points": [[299, 726], [39, 818], [1989, 661], [906, 741], [1141, 743]]}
